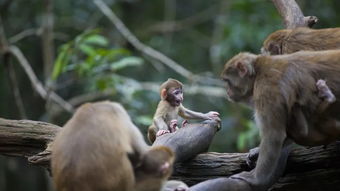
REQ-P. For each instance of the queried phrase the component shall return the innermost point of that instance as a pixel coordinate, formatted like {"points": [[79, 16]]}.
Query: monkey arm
{"points": [[272, 156], [160, 124], [188, 114]]}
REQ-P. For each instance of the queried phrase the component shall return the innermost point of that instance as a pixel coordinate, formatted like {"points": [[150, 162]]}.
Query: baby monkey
{"points": [[170, 107]]}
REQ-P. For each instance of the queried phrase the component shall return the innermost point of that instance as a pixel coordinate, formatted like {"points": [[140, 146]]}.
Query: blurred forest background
{"points": [[79, 54]]}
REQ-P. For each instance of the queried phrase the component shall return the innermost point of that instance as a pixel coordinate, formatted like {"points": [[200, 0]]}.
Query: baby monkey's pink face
{"points": [[175, 96]]}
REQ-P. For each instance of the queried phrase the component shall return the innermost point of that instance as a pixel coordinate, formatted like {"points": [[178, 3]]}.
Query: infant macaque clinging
{"points": [[170, 107]]}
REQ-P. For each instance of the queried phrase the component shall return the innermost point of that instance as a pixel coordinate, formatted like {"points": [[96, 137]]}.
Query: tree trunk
{"points": [[316, 168]]}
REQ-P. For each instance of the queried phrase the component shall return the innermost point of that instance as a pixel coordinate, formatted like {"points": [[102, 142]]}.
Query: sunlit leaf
{"points": [[96, 40], [61, 61], [89, 50], [125, 62]]}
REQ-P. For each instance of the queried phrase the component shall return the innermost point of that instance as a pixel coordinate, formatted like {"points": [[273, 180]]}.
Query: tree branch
{"points": [[37, 85], [47, 38], [292, 14], [132, 39], [174, 26], [5, 48], [316, 168], [15, 87]]}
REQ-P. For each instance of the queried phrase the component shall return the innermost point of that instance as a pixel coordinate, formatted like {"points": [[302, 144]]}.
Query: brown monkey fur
{"points": [[170, 107], [99, 148], [287, 41], [273, 86]]}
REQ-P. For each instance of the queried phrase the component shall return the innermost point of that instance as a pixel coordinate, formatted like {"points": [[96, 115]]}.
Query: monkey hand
{"points": [[173, 125], [252, 157], [184, 123], [212, 115], [324, 91], [162, 132]]}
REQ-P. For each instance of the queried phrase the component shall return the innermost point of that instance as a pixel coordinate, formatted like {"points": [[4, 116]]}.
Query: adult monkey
{"points": [[274, 86], [288, 41], [106, 151]]}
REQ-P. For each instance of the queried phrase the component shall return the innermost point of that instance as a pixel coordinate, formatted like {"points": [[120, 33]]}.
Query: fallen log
{"points": [[316, 168]]}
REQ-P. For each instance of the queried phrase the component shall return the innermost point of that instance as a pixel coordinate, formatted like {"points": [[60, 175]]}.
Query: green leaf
{"points": [[125, 62], [102, 84], [62, 60], [241, 141], [96, 39], [87, 49]]}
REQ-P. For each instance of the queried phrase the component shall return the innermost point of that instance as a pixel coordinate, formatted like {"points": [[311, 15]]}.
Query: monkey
{"points": [[154, 169], [100, 148], [170, 107], [287, 41], [273, 86]]}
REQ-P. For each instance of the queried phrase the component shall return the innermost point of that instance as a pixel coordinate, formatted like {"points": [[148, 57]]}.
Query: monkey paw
{"points": [[212, 115], [173, 125], [252, 157], [184, 123], [162, 132], [324, 91]]}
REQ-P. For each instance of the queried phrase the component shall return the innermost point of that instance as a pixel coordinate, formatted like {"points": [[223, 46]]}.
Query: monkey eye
{"points": [[228, 81], [176, 92]]}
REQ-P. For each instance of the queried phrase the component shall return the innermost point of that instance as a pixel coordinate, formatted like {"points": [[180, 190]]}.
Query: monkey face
{"points": [[175, 96], [157, 163], [238, 75], [234, 88]]}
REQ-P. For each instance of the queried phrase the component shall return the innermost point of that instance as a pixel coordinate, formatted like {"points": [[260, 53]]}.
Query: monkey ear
{"points": [[163, 94], [242, 69], [274, 49]]}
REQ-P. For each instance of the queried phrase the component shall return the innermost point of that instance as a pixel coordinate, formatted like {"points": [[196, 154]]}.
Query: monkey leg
{"points": [[152, 133], [264, 181], [300, 125]]}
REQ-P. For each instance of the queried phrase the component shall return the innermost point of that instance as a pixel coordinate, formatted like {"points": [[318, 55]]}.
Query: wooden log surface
{"points": [[316, 168]]}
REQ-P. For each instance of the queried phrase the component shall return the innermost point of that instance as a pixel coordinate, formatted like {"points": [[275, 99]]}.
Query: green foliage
{"points": [[249, 137], [90, 56]]}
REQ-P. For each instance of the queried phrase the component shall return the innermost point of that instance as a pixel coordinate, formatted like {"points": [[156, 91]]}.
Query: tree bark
{"points": [[292, 14], [316, 168]]}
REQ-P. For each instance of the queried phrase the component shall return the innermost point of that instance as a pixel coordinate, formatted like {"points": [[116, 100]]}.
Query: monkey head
{"points": [[172, 91], [155, 165], [274, 42], [239, 76]]}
